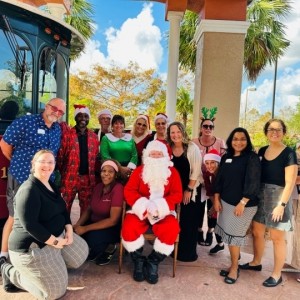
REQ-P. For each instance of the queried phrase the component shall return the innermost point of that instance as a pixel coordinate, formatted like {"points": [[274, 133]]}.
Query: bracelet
{"points": [[283, 204], [189, 189], [243, 202]]}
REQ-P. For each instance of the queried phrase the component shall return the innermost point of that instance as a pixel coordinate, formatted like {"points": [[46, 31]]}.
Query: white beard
{"points": [[155, 173]]}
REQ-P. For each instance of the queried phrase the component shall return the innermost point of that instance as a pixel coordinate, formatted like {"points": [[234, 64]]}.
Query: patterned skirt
{"points": [[231, 228]]}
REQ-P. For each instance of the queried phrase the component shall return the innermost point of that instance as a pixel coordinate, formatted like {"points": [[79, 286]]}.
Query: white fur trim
{"points": [[139, 207], [131, 165], [134, 245], [104, 112], [162, 247], [162, 207]]}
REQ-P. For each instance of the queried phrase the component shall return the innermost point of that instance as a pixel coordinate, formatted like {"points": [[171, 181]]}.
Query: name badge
{"points": [[228, 160], [41, 131]]}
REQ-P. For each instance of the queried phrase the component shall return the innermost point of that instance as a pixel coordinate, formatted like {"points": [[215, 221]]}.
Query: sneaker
{"points": [[3, 260], [106, 257], [93, 257], [216, 249]]}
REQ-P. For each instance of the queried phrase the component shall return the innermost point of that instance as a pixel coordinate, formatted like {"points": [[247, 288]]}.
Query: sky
{"points": [[128, 30]]}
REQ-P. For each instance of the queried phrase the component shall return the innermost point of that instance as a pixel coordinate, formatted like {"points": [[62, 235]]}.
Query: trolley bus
{"points": [[35, 49]]}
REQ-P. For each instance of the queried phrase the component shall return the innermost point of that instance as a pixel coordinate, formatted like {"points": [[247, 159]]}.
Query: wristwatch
{"points": [[283, 204], [55, 242]]}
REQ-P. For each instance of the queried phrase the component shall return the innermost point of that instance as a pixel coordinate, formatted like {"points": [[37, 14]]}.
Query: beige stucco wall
{"points": [[218, 79]]}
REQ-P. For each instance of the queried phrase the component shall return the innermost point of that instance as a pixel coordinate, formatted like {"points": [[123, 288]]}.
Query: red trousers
{"points": [[165, 230], [82, 187]]}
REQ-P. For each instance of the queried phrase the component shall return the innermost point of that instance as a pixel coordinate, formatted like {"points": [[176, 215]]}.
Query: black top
{"points": [[83, 152], [273, 171], [182, 165], [238, 177], [38, 214]]}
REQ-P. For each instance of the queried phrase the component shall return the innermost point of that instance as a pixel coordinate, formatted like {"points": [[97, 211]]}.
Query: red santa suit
{"points": [[145, 197]]}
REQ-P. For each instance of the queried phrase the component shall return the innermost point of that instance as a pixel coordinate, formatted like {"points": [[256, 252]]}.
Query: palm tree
{"points": [[81, 18], [184, 104], [265, 40], [187, 44]]}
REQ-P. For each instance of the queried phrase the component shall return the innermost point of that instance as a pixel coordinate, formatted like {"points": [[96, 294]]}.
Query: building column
{"points": [[219, 69], [174, 17]]}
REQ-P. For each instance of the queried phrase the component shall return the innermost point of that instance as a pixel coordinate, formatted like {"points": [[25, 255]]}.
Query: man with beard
{"points": [[153, 190], [21, 140], [76, 160]]}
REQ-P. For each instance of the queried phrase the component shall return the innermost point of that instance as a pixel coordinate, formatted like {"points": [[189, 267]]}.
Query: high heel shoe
{"points": [[230, 280]]}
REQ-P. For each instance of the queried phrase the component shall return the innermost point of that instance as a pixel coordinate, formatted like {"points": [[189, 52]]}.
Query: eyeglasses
{"points": [[277, 130], [160, 123], [43, 162], [140, 124], [208, 126], [56, 110]]}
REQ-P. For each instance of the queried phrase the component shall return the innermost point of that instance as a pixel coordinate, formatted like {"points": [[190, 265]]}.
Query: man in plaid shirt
{"points": [[76, 160]]}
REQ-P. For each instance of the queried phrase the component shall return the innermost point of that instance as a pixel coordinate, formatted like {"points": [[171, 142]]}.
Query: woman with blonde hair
{"points": [[42, 243], [141, 134]]}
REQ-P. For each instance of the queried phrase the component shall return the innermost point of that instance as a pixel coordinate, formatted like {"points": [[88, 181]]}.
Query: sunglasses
{"points": [[56, 110], [162, 124], [140, 124], [208, 126]]}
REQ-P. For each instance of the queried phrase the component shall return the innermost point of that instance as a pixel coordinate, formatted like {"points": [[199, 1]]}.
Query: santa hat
{"points": [[144, 117], [161, 116], [213, 154], [155, 146], [104, 112], [81, 109]]}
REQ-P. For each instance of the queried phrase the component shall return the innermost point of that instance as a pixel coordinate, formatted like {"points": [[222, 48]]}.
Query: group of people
{"points": [[153, 173]]}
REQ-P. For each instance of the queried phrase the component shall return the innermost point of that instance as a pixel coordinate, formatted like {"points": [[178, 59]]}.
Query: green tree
{"points": [[81, 18], [265, 40], [127, 91], [184, 105]]}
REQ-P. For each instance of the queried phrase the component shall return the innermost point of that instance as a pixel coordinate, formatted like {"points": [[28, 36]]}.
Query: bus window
{"points": [[15, 76], [52, 77]]}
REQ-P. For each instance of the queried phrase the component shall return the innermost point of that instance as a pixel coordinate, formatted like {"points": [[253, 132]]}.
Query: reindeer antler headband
{"points": [[209, 113]]}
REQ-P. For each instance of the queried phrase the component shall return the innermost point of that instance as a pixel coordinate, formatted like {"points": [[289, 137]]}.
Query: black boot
{"points": [[151, 267], [139, 261], [7, 285]]}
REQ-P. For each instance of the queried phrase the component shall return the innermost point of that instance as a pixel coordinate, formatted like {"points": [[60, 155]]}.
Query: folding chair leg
{"points": [[120, 256]]}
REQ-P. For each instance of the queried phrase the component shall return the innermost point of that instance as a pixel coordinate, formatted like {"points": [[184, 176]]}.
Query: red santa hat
{"points": [[104, 112], [161, 116], [79, 108], [213, 154], [156, 146]]}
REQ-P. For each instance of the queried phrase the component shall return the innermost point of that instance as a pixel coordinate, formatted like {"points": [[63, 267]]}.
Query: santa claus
{"points": [[152, 192]]}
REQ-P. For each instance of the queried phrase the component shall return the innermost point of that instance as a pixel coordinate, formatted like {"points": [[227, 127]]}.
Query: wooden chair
{"points": [[149, 236]]}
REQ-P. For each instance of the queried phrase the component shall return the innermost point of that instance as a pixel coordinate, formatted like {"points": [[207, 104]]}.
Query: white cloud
{"points": [[90, 56], [137, 40]]}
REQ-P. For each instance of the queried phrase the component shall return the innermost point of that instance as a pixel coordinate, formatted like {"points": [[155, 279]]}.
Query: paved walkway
{"points": [[197, 280]]}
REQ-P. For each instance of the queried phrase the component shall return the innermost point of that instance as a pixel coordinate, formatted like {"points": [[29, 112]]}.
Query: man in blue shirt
{"points": [[21, 140]]}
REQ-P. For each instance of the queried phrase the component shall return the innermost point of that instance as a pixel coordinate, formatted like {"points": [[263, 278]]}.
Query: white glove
{"points": [[152, 209]]}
